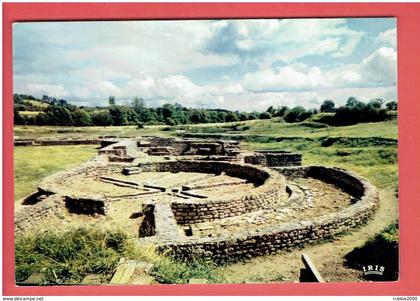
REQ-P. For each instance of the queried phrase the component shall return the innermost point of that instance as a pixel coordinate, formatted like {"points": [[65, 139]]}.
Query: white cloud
{"points": [[251, 101], [228, 64], [381, 66], [171, 87], [291, 77], [285, 40], [124, 47], [388, 37], [41, 89]]}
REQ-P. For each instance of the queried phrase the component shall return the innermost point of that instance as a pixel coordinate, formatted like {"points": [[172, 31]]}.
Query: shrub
{"points": [[70, 255], [265, 115], [296, 114], [326, 118], [169, 270], [327, 106], [281, 111], [381, 250], [392, 105]]}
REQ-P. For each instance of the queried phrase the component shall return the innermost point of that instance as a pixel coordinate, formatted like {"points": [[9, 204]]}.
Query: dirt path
{"points": [[328, 257]]}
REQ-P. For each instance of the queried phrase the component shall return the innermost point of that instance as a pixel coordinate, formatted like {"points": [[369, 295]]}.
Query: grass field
{"points": [[369, 155], [88, 132], [377, 163], [273, 128], [31, 164]]}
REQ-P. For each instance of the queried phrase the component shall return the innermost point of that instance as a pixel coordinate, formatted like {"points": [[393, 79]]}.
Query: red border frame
{"points": [[409, 123]]}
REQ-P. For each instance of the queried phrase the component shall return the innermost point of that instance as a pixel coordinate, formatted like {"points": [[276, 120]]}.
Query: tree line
{"points": [[60, 112], [29, 110], [354, 111]]}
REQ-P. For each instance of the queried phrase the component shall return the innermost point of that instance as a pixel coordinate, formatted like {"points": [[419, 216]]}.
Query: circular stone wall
{"points": [[172, 211], [93, 187], [270, 189], [270, 239]]}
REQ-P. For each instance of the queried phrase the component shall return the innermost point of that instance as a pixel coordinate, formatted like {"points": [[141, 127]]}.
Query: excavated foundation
{"points": [[223, 205]]}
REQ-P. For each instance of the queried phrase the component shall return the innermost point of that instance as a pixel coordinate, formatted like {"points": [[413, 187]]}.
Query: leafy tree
{"points": [[231, 117], [296, 114], [199, 116], [253, 115], [18, 119], [138, 104], [265, 115], [353, 102], [327, 106], [102, 118], [111, 101], [119, 115], [281, 111], [167, 110], [376, 103], [131, 115], [392, 106], [271, 110], [243, 116], [221, 116], [81, 118], [42, 119], [17, 99], [58, 115], [356, 111]]}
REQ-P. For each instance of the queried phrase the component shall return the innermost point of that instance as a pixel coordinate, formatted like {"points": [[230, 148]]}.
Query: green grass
{"points": [[273, 128], [70, 256], [378, 164], [88, 132], [172, 271], [381, 250], [276, 128], [368, 154], [33, 163]]}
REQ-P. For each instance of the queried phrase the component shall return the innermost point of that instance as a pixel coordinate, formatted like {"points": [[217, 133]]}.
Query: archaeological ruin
{"points": [[201, 198]]}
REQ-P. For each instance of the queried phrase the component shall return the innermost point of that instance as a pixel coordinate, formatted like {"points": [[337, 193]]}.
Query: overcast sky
{"points": [[233, 64]]}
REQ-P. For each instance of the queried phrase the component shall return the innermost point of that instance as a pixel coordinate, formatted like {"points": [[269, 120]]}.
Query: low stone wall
{"points": [[27, 215], [122, 148], [347, 181], [89, 206], [271, 190], [270, 239], [187, 212], [255, 159], [56, 142], [244, 171], [180, 147], [274, 159]]}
